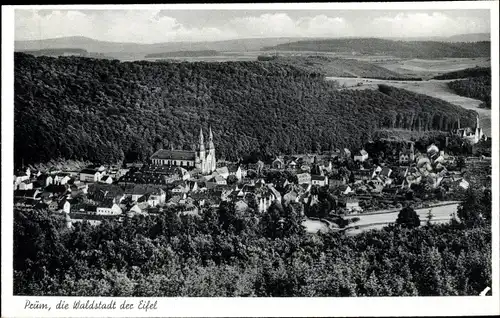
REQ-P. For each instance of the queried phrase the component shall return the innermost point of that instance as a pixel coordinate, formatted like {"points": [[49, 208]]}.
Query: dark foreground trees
{"points": [[408, 218], [241, 253]]}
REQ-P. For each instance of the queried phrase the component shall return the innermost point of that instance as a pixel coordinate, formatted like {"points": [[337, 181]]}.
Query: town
{"points": [[325, 185]]}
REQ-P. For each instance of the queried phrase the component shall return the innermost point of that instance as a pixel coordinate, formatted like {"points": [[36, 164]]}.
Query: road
{"points": [[441, 214]]}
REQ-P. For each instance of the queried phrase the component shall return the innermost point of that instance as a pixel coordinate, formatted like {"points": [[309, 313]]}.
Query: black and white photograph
{"points": [[249, 152]]}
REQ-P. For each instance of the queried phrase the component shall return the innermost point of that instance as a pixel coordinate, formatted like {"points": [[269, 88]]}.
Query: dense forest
{"points": [[474, 87], [105, 111], [334, 66], [229, 253], [184, 54], [404, 49], [472, 82], [466, 73]]}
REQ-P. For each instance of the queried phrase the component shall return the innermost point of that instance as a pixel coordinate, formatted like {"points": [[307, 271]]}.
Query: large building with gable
{"points": [[203, 158]]}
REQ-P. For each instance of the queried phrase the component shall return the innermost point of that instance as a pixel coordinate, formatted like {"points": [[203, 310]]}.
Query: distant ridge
{"points": [[140, 50], [403, 49]]}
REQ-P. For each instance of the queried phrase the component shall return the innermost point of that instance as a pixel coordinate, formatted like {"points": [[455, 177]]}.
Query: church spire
{"points": [[201, 143], [477, 121], [210, 138]]}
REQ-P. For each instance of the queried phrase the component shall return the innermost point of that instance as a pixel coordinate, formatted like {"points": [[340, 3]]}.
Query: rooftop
{"points": [[174, 154]]}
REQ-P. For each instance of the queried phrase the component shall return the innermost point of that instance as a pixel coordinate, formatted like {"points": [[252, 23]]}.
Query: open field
{"points": [[430, 68], [434, 88]]}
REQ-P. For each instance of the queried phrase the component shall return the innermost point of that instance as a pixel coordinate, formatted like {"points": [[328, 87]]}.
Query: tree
{"points": [[460, 162], [470, 211], [430, 216], [408, 218]]}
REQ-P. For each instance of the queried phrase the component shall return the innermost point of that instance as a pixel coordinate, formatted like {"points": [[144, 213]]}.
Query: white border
{"points": [[12, 306]]}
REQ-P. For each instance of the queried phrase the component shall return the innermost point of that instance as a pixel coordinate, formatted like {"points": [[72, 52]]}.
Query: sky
{"points": [[155, 26]]}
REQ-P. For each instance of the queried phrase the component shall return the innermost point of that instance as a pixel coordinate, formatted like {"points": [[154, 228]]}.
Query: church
{"points": [[473, 136], [202, 158]]}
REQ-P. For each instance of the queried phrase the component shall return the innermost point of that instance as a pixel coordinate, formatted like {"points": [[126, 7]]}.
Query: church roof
{"points": [[174, 154]]}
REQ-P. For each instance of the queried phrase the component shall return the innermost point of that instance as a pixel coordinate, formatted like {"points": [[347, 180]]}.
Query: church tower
{"points": [[479, 132], [200, 153], [412, 152], [211, 162]]}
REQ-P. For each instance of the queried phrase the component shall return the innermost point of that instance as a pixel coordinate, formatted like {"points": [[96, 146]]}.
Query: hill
{"points": [[102, 110], [465, 73], [472, 82], [333, 66], [474, 87], [468, 37], [183, 54], [139, 51], [403, 49]]}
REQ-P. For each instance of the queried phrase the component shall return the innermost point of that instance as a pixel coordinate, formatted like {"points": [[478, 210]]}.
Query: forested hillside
{"points": [[101, 110], [466, 73], [405, 49], [226, 253], [474, 87]]}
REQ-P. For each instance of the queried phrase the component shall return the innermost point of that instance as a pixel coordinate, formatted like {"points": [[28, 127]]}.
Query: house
{"points": [[303, 178], [107, 179], [278, 164], [182, 187], [352, 205], [223, 172], [45, 180], [404, 157], [291, 196], [61, 178], [137, 191], [344, 189], [292, 164], [56, 189], [432, 151], [235, 170], [319, 180], [363, 174], [240, 206], [92, 218], [334, 183], [346, 153], [64, 206], [385, 172], [154, 197], [214, 181], [20, 177], [464, 184], [79, 187], [25, 185], [90, 175], [108, 207], [361, 156]]}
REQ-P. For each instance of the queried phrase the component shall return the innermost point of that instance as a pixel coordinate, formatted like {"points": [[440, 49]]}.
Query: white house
{"points": [[319, 180], [65, 206], [90, 175], [223, 172], [109, 209], [303, 178], [361, 156], [107, 179], [26, 185]]}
